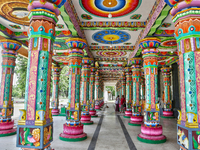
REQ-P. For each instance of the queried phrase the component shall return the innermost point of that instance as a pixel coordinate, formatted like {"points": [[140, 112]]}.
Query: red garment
{"points": [[122, 101]]}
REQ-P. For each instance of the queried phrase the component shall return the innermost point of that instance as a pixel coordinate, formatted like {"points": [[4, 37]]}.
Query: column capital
{"points": [[76, 43], [9, 44], [135, 62], [150, 42], [87, 60], [166, 69]]}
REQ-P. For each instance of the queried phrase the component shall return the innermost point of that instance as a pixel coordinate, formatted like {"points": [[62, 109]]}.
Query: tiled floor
{"points": [[111, 135]]}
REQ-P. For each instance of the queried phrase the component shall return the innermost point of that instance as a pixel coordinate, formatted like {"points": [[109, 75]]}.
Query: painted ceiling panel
{"points": [[106, 37], [121, 10]]}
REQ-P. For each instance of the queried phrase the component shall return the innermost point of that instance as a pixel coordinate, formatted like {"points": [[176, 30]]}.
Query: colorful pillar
{"points": [[85, 102], [92, 93], [9, 53], [129, 94], [136, 118], [151, 130], [123, 82], [55, 94], [35, 125], [186, 16], [97, 83], [168, 112], [73, 128], [143, 91]]}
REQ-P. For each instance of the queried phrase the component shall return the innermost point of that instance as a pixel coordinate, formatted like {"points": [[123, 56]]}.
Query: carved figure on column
{"points": [[168, 112], [186, 16], [151, 130], [136, 118], [55, 94], [73, 128], [85, 102], [9, 53], [35, 125], [129, 92]]}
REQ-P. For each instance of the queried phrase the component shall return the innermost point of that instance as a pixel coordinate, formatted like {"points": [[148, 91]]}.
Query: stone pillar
{"points": [[136, 118], [186, 16], [168, 112], [123, 82], [85, 101], [35, 125], [55, 94], [97, 83], [73, 128], [151, 130], [129, 94], [92, 92], [9, 53]]}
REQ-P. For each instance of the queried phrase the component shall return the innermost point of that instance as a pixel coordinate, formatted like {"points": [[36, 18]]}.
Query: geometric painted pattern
{"points": [[111, 53], [111, 36], [117, 8]]}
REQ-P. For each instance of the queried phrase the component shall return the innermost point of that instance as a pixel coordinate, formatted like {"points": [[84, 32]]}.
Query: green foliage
{"points": [[111, 89], [20, 70], [64, 81]]}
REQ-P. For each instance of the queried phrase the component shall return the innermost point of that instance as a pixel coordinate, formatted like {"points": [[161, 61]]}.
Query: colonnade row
{"points": [[35, 125]]}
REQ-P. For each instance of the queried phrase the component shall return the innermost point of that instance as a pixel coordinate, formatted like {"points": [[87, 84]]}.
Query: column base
{"points": [[97, 108], [136, 121], [6, 128], [151, 135], [93, 113], [128, 114], [73, 133], [72, 138], [167, 114], [86, 119], [55, 112]]}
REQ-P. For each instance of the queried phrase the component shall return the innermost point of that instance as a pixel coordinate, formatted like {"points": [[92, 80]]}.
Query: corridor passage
{"points": [[110, 131]]}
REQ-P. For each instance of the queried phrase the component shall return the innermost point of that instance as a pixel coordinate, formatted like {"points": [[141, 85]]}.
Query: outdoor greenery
{"points": [[20, 71], [111, 89]]}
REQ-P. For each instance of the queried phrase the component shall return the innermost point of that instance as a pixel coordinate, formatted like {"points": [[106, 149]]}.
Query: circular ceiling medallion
{"points": [[169, 43], [111, 53], [15, 11], [117, 8], [111, 37]]}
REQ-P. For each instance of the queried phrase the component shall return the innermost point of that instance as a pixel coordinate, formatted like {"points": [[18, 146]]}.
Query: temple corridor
{"points": [[107, 133]]}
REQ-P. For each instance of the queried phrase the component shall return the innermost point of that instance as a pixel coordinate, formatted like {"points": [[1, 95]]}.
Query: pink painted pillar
{"points": [[9, 53]]}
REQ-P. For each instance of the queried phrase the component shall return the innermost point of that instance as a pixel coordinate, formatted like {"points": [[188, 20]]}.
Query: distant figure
{"points": [[117, 103], [123, 103]]}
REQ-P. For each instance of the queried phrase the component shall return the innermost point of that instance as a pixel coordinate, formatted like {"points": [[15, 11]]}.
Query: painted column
{"points": [[9, 53], [73, 128], [186, 16], [123, 82], [97, 83], [35, 125], [129, 92], [151, 130], [143, 91], [55, 94], [168, 112], [85, 101], [136, 118], [92, 93]]}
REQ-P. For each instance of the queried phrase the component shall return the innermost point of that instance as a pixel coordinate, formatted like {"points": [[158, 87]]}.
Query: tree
{"points": [[111, 89], [20, 70], [64, 81]]}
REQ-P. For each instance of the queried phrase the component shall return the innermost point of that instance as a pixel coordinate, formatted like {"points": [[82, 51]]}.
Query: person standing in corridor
{"points": [[117, 103], [123, 103]]}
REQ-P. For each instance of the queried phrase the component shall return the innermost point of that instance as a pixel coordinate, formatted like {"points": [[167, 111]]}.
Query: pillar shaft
{"points": [[9, 53], [151, 130], [97, 84], [167, 92], [129, 89], [92, 88], [73, 129], [123, 82], [37, 119], [55, 94], [187, 20]]}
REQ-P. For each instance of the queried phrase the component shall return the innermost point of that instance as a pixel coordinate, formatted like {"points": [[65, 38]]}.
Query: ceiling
{"points": [[112, 28]]}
